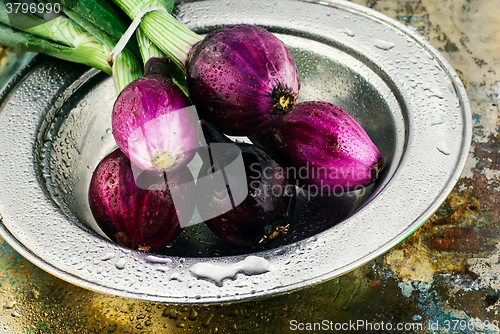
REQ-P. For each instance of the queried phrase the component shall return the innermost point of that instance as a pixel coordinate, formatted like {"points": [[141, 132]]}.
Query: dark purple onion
{"points": [[242, 79], [153, 122], [261, 212], [135, 208], [324, 146]]}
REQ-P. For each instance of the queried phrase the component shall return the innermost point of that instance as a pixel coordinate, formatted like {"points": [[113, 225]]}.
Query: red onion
{"points": [[324, 146], [154, 123], [249, 204], [135, 208], [242, 79]]}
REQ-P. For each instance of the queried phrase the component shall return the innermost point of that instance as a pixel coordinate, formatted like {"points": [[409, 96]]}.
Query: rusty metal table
{"points": [[443, 278]]}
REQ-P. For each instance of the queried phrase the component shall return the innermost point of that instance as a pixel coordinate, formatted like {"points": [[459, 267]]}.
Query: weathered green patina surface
{"points": [[444, 276]]}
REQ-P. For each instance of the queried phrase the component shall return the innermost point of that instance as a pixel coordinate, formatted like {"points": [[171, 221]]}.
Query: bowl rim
{"points": [[267, 284]]}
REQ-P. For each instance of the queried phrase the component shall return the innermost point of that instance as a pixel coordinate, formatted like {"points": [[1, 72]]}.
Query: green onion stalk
{"points": [[147, 48], [61, 37], [125, 66], [99, 14], [100, 19], [170, 35], [150, 50], [87, 51]]}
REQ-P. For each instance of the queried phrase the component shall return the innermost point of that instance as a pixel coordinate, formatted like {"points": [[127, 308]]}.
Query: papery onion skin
{"points": [[154, 123], [132, 209], [267, 204], [324, 146], [242, 79]]}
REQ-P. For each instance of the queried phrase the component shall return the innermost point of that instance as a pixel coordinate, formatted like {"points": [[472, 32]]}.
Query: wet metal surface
{"points": [[405, 95], [444, 275]]}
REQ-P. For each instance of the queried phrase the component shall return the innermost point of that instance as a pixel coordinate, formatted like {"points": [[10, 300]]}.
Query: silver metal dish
{"points": [[54, 129]]}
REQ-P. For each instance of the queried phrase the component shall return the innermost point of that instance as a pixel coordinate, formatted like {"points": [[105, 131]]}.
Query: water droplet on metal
{"points": [[120, 264], [349, 32], [107, 257], [383, 45], [162, 269], [157, 259], [207, 320], [443, 148], [251, 265], [192, 314], [10, 304], [176, 276]]}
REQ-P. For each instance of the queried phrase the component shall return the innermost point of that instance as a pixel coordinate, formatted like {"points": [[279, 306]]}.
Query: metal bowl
{"points": [[55, 128]]}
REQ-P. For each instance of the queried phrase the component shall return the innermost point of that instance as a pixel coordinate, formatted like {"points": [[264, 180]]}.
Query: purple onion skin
{"points": [[325, 146], [268, 201], [139, 217], [242, 79], [150, 124]]}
